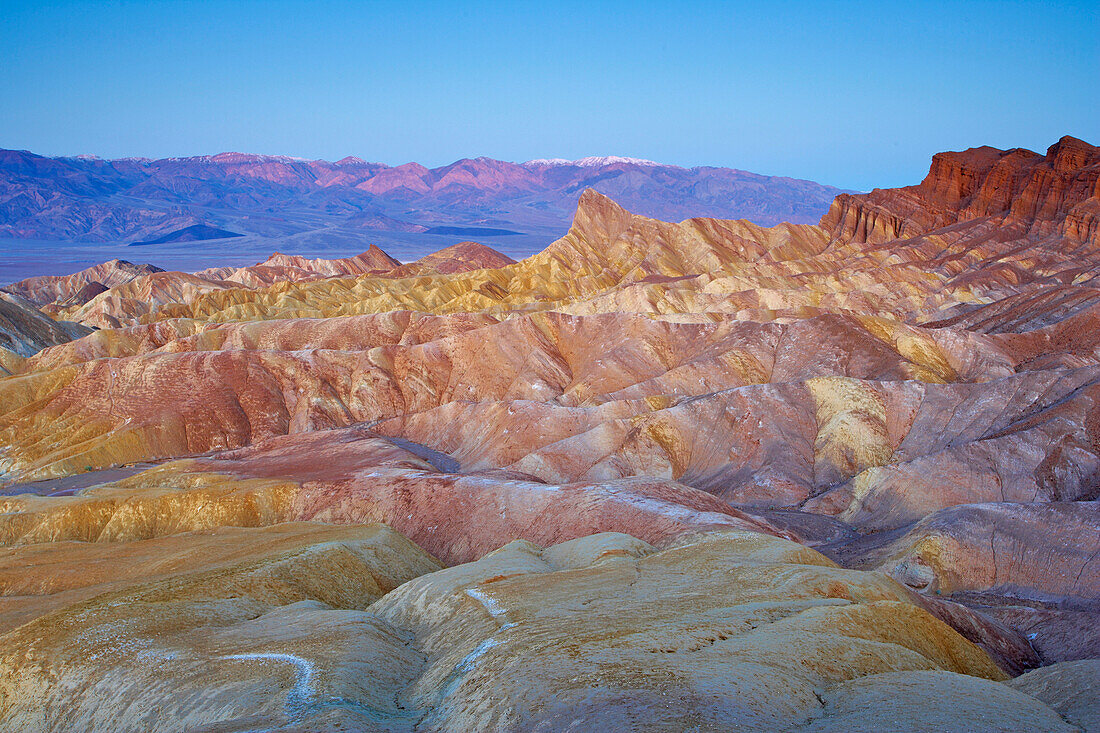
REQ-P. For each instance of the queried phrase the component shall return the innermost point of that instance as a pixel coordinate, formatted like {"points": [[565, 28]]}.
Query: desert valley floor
{"points": [[700, 476]]}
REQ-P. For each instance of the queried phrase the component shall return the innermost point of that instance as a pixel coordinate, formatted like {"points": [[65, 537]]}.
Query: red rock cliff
{"points": [[1054, 193]]}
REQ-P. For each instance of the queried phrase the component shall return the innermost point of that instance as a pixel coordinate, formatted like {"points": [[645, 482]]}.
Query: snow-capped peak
{"points": [[232, 157], [602, 160], [547, 162], [590, 162]]}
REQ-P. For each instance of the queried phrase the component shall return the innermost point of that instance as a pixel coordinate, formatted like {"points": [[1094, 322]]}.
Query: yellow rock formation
{"points": [[721, 629]]}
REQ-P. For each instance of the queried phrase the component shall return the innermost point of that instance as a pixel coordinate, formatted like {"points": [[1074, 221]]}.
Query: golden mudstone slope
{"points": [[629, 248], [351, 476], [983, 225], [630, 441], [38, 578], [136, 293], [717, 630], [178, 388], [945, 245], [280, 267]]}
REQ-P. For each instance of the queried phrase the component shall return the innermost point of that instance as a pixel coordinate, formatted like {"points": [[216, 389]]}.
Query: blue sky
{"points": [[851, 94]]}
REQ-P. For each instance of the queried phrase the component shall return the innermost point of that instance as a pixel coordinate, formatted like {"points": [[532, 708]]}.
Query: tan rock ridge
{"points": [[59, 289], [722, 629], [137, 298], [163, 395], [24, 331], [961, 244], [280, 267], [133, 293], [36, 579], [352, 476], [182, 631], [1069, 688], [624, 447], [461, 257]]}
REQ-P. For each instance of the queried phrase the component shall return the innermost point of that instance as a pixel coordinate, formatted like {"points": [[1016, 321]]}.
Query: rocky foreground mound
{"points": [[693, 476]]}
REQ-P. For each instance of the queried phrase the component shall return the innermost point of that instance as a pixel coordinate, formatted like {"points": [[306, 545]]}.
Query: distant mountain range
{"points": [[88, 199]]}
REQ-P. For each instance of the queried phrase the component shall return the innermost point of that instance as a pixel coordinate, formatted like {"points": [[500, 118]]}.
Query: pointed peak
{"points": [[473, 249], [1070, 153], [380, 257], [412, 166], [598, 212], [1070, 143], [593, 199]]}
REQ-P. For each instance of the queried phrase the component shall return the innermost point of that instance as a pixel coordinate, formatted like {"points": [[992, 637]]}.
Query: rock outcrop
{"points": [[24, 330], [1056, 193], [695, 475], [64, 289], [291, 268], [461, 257], [1069, 688], [720, 629]]}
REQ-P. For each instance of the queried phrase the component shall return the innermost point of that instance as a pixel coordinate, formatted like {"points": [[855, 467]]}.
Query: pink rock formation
{"points": [[672, 413], [73, 289]]}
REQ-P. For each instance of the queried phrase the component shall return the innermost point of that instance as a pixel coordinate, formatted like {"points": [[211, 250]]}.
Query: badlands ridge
{"points": [[694, 476]]}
